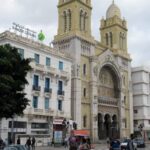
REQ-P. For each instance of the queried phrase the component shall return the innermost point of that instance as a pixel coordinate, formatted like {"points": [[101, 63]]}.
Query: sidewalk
{"points": [[97, 147]]}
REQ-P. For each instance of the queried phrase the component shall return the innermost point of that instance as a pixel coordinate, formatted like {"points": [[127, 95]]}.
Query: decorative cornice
{"points": [[66, 3], [69, 38], [34, 44]]}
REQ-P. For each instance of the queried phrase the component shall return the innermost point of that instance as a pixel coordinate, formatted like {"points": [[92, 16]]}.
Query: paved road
{"points": [[97, 147]]}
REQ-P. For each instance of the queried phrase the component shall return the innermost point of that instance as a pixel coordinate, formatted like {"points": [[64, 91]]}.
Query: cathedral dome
{"points": [[113, 10]]}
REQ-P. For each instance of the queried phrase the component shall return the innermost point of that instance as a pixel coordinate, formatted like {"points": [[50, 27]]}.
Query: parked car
{"points": [[128, 144], [115, 144], [140, 142], [15, 147]]}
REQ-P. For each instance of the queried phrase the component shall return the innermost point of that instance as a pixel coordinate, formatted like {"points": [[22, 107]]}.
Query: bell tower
{"points": [[114, 29], [74, 18]]}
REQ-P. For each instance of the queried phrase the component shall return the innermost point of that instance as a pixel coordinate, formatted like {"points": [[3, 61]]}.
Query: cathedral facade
{"points": [[101, 93]]}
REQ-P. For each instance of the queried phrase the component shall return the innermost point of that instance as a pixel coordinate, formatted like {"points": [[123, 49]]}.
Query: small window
{"points": [[46, 103], [36, 80], [35, 102], [135, 122], [125, 99], [37, 58], [60, 85], [60, 105], [84, 121], [60, 65], [47, 83], [48, 61], [21, 53], [125, 123], [135, 111], [84, 92], [148, 121], [84, 69]]}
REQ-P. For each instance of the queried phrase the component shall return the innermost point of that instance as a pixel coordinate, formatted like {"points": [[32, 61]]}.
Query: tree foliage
{"points": [[13, 71]]}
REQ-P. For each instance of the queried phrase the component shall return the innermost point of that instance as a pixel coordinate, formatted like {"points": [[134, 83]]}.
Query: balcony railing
{"points": [[36, 88], [59, 92], [47, 90], [51, 70]]}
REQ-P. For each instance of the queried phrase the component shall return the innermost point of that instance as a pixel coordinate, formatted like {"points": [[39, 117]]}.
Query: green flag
{"points": [[41, 36]]}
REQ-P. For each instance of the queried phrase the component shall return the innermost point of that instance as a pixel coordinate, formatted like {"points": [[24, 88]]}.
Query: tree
{"points": [[13, 71]]}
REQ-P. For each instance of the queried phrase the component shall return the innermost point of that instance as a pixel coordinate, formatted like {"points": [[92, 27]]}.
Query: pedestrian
{"points": [[18, 140], [84, 145], [53, 142], [33, 143], [73, 143], [66, 142], [28, 143]]}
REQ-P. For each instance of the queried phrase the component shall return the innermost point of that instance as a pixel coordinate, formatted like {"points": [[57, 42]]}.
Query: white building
{"points": [[48, 89], [141, 99]]}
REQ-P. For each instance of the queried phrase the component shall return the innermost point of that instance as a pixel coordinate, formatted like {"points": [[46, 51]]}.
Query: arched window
{"points": [[84, 92], [84, 69], [84, 121], [69, 16], [107, 41], [65, 21], [81, 20], [111, 39], [120, 40], [84, 21], [123, 41]]}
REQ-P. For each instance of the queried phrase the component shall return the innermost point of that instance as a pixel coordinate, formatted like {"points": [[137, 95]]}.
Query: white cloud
{"points": [[42, 14]]}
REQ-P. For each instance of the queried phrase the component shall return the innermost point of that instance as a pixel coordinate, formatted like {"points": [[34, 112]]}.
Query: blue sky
{"points": [[42, 14]]}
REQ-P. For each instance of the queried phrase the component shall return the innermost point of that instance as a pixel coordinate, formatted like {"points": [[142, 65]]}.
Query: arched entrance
{"points": [[114, 127], [107, 125], [108, 103]]}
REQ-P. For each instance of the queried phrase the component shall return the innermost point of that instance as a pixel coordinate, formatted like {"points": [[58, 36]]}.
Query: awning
{"points": [[81, 132], [58, 121]]}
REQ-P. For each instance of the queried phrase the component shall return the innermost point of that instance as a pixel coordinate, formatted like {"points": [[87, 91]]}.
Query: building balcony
{"points": [[60, 113], [37, 110], [51, 70], [36, 88], [60, 95], [37, 67], [64, 74], [60, 92], [49, 112], [47, 90]]}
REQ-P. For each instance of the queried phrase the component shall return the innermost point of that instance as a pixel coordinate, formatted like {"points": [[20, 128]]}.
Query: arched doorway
{"points": [[108, 102], [114, 127], [107, 125], [100, 126]]}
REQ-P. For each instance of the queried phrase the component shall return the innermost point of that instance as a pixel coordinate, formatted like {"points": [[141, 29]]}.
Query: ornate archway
{"points": [[108, 102]]}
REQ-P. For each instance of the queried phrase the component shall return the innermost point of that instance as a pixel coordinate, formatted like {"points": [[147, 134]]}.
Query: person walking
{"points": [[18, 141], [53, 142], [66, 142], [73, 143], [28, 143], [33, 143]]}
